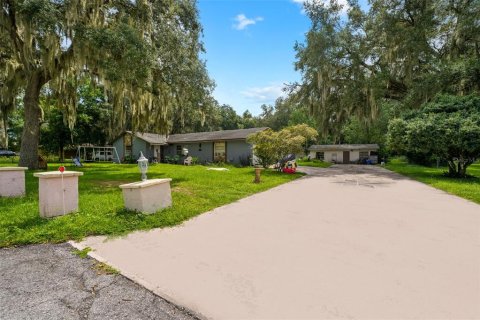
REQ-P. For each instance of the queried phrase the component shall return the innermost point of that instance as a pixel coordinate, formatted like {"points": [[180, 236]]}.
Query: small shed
{"points": [[345, 153]]}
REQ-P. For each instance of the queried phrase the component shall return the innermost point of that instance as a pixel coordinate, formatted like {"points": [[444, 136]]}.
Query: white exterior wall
{"points": [[354, 155], [328, 155]]}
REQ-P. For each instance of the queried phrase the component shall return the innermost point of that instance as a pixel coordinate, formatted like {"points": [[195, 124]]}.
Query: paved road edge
{"points": [[140, 281]]}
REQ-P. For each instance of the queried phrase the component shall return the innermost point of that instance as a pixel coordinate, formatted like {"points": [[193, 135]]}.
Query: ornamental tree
{"points": [[270, 146], [447, 129]]}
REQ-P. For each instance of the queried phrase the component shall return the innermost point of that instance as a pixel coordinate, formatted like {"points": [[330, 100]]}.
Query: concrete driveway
{"points": [[345, 242]]}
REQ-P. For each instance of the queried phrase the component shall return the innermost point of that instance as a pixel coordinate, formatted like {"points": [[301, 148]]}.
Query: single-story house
{"points": [[215, 146], [345, 153]]}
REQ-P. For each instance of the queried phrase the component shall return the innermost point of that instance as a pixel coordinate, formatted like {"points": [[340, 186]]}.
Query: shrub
{"points": [[447, 129]]}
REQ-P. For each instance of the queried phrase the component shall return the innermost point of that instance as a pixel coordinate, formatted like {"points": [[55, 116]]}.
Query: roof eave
{"points": [[201, 141]]}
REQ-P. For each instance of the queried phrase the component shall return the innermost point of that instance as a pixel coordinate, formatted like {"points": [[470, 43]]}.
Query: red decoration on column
{"points": [[61, 169]]}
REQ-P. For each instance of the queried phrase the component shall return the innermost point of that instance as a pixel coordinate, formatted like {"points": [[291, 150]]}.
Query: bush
{"points": [[447, 129], [172, 159], [195, 160], [129, 159]]}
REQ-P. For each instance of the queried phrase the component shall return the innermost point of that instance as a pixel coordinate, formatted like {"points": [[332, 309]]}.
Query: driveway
{"points": [[346, 242]]}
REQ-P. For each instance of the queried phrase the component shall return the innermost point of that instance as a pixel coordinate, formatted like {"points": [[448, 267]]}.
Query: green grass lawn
{"points": [[313, 163], [194, 190], [466, 188]]}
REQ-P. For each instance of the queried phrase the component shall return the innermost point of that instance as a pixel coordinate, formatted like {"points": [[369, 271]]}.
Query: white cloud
{"points": [[267, 94], [343, 3], [242, 21]]}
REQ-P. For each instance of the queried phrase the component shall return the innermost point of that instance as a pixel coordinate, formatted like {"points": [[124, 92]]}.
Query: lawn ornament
{"points": [[143, 166], [257, 175]]}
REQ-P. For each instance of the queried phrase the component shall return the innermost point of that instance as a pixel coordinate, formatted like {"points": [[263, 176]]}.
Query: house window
{"points": [[320, 156], [179, 150], [199, 147], [363, 155], [128, 145]]}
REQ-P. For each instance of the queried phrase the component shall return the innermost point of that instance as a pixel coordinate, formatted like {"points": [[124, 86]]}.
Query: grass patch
{"points": [[9, 162], [103, 268], [194, 190], [468, 188], [82, 253], [313, 163]]}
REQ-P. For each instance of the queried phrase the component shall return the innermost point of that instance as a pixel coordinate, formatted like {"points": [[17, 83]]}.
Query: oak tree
{"points": [[143, 54]]}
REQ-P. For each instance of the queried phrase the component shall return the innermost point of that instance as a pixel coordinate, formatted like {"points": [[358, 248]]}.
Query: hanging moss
{"points": [[140, 53]]}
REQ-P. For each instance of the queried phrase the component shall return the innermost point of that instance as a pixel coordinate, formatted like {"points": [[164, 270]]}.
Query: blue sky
{"points": [[249, 46]]}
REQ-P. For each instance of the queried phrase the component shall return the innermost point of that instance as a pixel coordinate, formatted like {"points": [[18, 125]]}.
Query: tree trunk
{"points": [[33, 117], [462, 169], [458, 170], [3, 131], [61, 153], [452, 170]]}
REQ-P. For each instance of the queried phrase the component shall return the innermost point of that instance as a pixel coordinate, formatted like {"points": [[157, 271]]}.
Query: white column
{"points": [[12, 181], [57, 192]]}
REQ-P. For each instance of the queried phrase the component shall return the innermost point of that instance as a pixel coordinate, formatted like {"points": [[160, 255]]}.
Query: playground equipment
{"points": [[96, 153]]}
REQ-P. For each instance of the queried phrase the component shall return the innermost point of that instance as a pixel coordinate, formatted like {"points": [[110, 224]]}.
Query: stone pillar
{"points": [[53, 199], [12, 181], [147, 196]]}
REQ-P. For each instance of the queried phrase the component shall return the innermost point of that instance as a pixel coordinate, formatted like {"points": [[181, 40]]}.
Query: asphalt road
{"points": [[50, 282]]}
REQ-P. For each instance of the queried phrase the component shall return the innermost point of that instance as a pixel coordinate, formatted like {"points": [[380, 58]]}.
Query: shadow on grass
{"points": [[428, 173], [28, 223], [128, 214]]}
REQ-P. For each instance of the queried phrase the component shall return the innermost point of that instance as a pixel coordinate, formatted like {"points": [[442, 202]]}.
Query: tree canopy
{"points": [[143, 54], [446, 129], [352, 60]]}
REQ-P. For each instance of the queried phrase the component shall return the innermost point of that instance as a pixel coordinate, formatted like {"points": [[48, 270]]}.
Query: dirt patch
{"points": [[110, 183], [183, 190]]}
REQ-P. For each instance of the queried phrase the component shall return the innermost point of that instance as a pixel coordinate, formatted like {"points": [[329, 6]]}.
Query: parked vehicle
{"points": [[7, 153], [103, 156]]}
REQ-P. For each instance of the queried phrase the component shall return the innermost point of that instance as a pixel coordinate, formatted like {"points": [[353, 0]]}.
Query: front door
{"points": [[157, 153], [219, 151], [346, 156]]}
